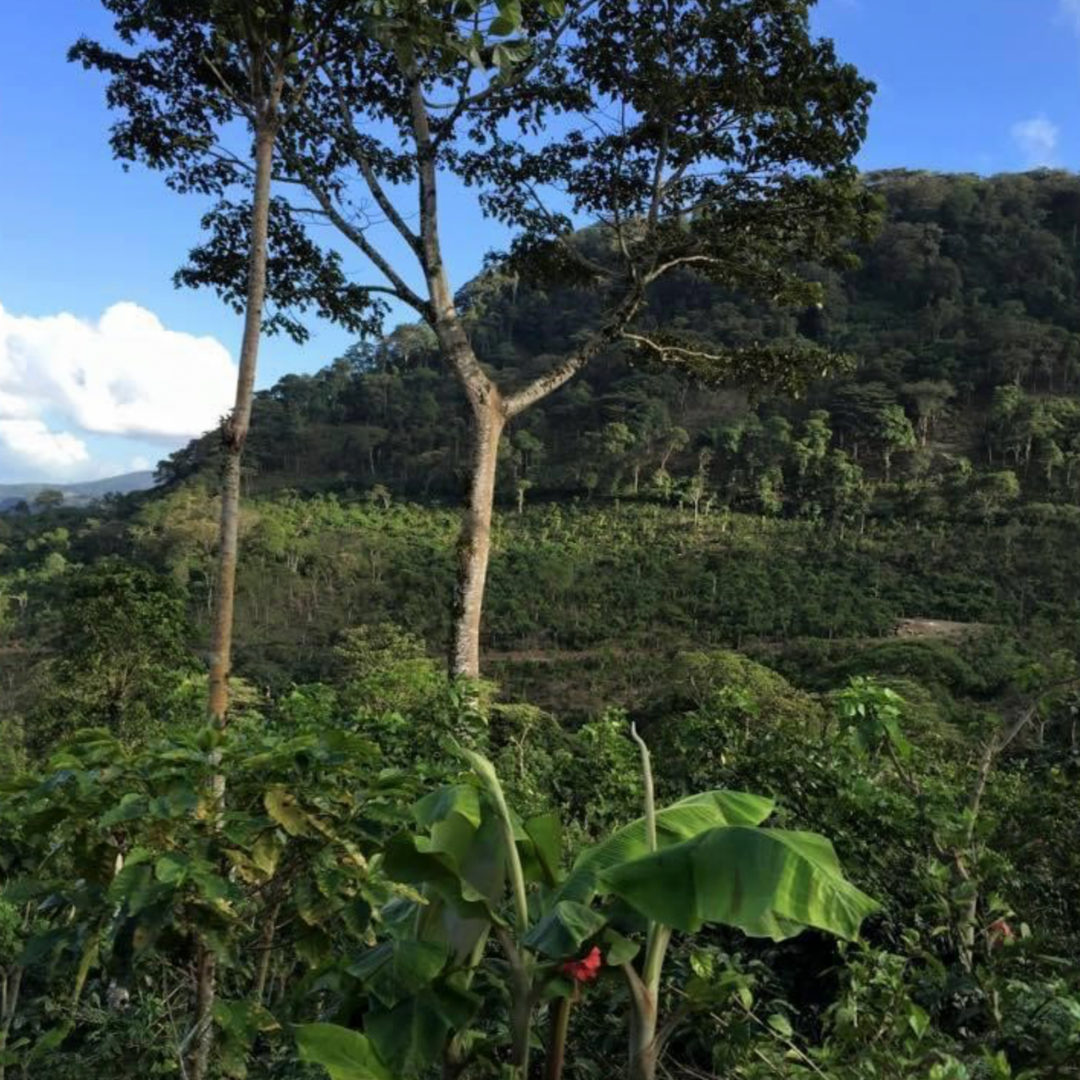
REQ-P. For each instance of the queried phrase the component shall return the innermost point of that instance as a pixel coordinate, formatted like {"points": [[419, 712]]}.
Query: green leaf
{"points": [[562, 932], [172, 869], [132, 807], [545, 831], [51, 1040], [265, 853], [781, 1025], [345, 1054], [918, 1020], [313, 945], [211, 886], [282, 807], [410, 1038], [244, 1019], [461, 894], [460, 799], [356, 915], [674, 824], [508, 53], [413, 860], [508, 20], [43, 945], [483, 882], [618, 949], [135, 886], [454, 1002], [896, 737], [767, 882], [396, 970], [453, 836], [511, 829]]}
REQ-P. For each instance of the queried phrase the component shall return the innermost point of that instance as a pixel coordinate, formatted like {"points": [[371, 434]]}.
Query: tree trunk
{"points": [[234, 435], [474, 543], [490, 411], [203, 1032], [235, 430], [266, 944]]}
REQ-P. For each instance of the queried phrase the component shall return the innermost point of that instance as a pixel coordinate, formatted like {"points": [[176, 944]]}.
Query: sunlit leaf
{"points": [[767, 882], [676, 823], [545, 831], [283, 808]]}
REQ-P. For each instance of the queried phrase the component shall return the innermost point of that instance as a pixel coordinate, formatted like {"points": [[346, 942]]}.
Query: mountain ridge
{"points": [[78, 493], [961, 317]]}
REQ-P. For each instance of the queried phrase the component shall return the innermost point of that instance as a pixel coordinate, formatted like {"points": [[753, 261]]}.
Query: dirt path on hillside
{"points": [[943, 629], [552, 656]]}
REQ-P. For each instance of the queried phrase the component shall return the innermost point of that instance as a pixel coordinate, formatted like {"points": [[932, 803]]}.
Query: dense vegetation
{"points": [[773, 770], [727, 575]]}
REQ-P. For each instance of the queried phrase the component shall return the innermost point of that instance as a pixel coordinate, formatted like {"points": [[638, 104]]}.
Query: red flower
{"points": [[585, 970], [1000, 932]]}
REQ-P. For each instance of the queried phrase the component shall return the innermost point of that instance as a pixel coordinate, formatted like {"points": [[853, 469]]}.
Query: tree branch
{"points": [[244, 107], [541, 387], [378, 192], [670, 350], [563, 241], [682, 260], [352, 233]]}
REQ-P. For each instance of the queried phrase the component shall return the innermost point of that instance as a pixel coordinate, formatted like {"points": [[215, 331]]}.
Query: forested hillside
{"points": [[863, 603], [961, 323]]}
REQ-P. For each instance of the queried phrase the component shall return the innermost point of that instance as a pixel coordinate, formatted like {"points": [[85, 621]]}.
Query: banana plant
{"points": [[498, 918]]}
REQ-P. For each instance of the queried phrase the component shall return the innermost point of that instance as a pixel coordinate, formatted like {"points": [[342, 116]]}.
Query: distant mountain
{"points": [[79, 494]]}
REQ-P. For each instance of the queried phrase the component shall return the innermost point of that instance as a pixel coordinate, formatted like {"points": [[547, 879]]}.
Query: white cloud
{"points": [[124, 375], [50, 451], [1036, 139]]}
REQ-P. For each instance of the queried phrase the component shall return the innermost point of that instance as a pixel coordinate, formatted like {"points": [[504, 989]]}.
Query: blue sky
{"points": [[967, 85]]}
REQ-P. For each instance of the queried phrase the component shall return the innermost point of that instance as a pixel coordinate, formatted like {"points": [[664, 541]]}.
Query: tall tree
{"points": [[205, 89], [708, 138], [193, 75]]}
